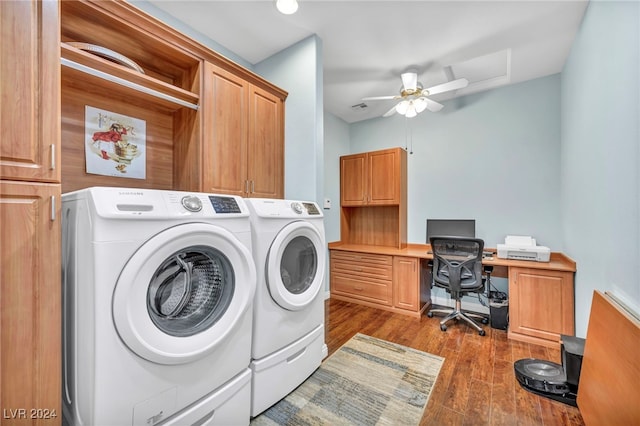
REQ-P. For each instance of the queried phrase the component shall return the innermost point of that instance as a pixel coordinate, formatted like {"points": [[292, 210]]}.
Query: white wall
{"points": [[601, 155]]}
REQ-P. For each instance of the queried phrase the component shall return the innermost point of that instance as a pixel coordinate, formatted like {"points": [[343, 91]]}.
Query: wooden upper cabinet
{"points": [[265, 145], [353, 180], [243, 141], [385, 176], [225, 132], [30, 90], [373, 178]]}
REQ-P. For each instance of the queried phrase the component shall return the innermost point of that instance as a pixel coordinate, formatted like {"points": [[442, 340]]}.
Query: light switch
{"points": [[327, 203]]}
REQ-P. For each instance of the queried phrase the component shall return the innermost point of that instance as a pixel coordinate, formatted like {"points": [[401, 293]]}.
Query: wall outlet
{"points": [[327, 203]]}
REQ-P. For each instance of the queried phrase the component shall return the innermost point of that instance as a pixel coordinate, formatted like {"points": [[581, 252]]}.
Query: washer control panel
{"points": [[224, 204]]}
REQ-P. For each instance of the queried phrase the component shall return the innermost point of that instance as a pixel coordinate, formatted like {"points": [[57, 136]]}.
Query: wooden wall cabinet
{"points": [[541, 305], [243, 136], [30, 296], [373, 178]]}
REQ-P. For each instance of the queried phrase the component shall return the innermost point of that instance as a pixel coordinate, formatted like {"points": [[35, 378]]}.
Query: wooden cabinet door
{"points": [[225, 132], [384, 177], [265, 145], [353, 177], [30, 297], [406, 283], [541, 303], [30, 91]]}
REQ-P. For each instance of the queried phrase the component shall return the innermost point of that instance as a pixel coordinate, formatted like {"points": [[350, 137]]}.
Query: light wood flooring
{"points": [[477, 384]]}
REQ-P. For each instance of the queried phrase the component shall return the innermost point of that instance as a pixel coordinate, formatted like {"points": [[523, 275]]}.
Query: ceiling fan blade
{"points": [[409, 80], [379, 98], [390, 112], [433, 106], [445, 87]]}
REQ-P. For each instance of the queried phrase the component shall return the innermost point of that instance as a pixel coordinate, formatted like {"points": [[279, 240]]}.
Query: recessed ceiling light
{"points": [[287, 6]]}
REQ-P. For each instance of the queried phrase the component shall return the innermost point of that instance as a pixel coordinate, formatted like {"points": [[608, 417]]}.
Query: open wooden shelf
{"points": [[115, 78]]}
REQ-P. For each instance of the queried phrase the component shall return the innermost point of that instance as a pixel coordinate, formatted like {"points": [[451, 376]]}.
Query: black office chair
{"points": [[457, 267]]}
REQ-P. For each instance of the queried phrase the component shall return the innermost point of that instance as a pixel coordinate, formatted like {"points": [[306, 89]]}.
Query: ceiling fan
{"points": [[413, 97]]}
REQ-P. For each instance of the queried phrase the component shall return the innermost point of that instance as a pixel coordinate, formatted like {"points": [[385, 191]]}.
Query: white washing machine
{"points": [[157, 308], [288, 319]]}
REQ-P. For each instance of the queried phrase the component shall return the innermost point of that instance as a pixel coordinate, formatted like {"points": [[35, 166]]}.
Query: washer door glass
{"points": [[190, 291], [295, 265], [183, 292]]}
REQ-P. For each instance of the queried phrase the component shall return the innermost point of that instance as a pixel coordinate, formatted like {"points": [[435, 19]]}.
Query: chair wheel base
{"points": [[443, 327], [485, 321], [430, 314], [481, 332]]}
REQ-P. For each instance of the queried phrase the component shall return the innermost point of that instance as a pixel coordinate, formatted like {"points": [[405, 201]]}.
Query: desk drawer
{"points": [[373, 291], [361, 258], [365, 270]]}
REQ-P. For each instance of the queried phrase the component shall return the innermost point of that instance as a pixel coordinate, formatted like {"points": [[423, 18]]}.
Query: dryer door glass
{"points": [[298, 265], [190, 291]]}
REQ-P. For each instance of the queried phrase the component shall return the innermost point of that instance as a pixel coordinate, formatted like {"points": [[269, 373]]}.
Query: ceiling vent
{"points": [[359, 107]]}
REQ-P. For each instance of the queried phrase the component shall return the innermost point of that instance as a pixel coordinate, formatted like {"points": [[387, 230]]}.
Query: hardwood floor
{"points": [[476, 385]]}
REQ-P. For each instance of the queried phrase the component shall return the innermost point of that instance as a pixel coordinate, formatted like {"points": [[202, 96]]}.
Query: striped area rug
{"points": [[367, 381]]}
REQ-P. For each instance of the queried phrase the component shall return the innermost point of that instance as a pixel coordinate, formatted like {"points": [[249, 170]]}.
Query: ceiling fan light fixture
{"points": [[287, 7], [402, 106], [411, 111], [420, 104]]}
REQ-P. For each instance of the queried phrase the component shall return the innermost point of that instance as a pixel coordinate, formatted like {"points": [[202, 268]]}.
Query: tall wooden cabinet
{"points": [[30, 296], [243, 137]]}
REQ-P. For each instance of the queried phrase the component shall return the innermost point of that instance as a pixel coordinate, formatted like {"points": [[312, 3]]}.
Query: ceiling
{"points": [[368, 44]]}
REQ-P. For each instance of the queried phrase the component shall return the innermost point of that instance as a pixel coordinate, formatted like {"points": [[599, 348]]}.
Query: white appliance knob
{"points": [[296, 207], [191, 203]]}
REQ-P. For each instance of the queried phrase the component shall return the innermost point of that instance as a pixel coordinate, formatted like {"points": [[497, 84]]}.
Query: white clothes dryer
{"points": [[290, 253], [158, 290]]}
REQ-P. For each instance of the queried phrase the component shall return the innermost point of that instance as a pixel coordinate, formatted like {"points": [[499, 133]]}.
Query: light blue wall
{"points": [[492, 157], [601, 156], [298, 70], [336, 144]]}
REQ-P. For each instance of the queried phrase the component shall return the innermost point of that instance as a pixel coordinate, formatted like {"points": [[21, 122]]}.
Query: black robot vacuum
{"points": [[551, 380]]}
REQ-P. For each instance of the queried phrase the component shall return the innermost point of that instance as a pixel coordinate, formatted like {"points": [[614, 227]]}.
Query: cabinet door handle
{"points": [[246, 186], [53, 208], [358, 288], [53, 157], [253, 186]]}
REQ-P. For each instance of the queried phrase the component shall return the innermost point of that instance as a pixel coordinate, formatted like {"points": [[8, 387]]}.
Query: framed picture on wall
{"points": [[114, 144]]}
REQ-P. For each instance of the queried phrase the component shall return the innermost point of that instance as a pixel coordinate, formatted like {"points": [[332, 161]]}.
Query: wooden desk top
{"points": [[558, 261]]}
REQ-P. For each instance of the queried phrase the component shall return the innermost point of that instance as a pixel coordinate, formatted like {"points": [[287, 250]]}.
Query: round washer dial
{"points": [[296, 207], [191, 203]]}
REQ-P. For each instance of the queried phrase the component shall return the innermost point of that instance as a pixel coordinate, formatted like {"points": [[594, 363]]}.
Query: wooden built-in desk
{"points": [[541, 294]]}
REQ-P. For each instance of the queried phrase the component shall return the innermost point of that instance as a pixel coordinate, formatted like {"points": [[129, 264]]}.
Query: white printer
{"points": [[523, 248]]}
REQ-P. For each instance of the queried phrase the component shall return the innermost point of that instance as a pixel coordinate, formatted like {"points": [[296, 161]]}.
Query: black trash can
{"points": [[499, 310]]}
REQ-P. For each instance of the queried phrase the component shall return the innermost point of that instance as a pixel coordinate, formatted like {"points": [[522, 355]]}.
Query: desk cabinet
{"points": [[406, 276], [381, 281], [362, 276], [541, 305]]}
